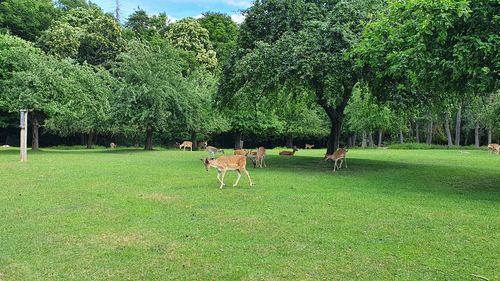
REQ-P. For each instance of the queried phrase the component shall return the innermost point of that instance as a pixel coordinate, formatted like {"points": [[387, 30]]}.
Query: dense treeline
{"points": [[332, 72]]}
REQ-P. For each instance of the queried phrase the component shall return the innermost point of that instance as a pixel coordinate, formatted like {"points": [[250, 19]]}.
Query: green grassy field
{"points": [[135, 215]]}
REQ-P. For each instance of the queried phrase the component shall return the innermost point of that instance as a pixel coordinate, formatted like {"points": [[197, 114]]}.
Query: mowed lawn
{"points": [[135, 215]]}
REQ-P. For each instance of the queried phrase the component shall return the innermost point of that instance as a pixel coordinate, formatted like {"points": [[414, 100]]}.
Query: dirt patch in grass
{"points": [[157, 196]]}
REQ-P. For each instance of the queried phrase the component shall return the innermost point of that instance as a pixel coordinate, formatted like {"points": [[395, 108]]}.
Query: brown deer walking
{"points": [[228, 163], [340, 154]]}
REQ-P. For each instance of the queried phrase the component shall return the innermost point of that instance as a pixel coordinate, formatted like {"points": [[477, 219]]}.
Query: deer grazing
{"points": [[184, 145], [340, 154], [212, 150], [289, 153], [494, 148], [223, 164], [112, 145], [309, 146]]}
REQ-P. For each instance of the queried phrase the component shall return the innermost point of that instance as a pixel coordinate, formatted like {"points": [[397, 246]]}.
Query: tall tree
{"points": [[148, 27], [153, 90], [299, 45]]}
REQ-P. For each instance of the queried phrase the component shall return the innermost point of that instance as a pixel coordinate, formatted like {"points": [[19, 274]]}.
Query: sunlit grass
{"points": [[135, 215]]}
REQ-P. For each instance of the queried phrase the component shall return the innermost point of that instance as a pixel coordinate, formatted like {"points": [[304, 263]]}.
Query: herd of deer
{"points": [[238, 161]]}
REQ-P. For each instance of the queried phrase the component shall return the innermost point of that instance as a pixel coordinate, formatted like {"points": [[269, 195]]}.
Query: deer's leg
{"points": [[248, 175], [218, 177], [335, 166], [238, 179], [222, 181]]}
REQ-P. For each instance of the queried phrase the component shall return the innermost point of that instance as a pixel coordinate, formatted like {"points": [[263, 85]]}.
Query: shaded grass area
{"points": [[129, 215]]}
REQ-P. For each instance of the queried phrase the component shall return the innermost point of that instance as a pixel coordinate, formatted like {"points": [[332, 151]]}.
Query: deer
{"points": [[260, 154], [340, 154], [241, 152], [185, 144], [112, 145], [289, 153], [212, 150], [309, 146], [203, 145], [223, 164], [494, 148]]}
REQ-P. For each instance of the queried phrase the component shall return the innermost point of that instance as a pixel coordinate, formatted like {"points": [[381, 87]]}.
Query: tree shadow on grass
{"points": [[473, 182]]}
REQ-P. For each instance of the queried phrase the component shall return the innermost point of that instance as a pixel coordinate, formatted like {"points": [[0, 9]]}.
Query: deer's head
{"points": [[206, 162]]}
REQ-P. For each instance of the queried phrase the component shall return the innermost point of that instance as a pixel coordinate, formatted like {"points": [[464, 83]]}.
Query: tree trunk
{"points": [[429, 132], [417, 132], [82, 139], [289, 142], [237, 141], [380, 133], [336, 115], [363, 141], [149, 139], [35, 130], [448, 131], [194, 140], [476, 135], [370, 139], [457, 125], [401, 137], [489, 134], [90, 140], [354, 136]]}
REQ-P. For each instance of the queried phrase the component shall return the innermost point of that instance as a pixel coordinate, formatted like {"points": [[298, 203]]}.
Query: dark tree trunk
{"points": [[401, 137], [448, 131], [489, 134], [237, 141], [457, 126], [429, 132], [35, 131], [370, 139], [354, 136], [289, 142], [90, 140], [82, 139], [149, 139], [417, 132], [363, 141], [336, 115], [380, 133], [476, 135], [194, 140]]}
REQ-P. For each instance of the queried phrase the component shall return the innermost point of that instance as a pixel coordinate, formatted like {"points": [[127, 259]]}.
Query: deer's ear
{"points": [[202, 160]]}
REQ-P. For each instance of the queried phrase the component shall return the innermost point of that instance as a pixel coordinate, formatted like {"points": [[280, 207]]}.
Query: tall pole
{"points": [[24, 135]]}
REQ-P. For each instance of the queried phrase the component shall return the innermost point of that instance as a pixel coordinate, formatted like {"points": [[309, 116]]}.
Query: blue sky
{"points": [[177, 9]]}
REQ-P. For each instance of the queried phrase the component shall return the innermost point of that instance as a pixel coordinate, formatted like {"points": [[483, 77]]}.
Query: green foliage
{"points": [[223, 32], [85, 34], [147, 27], [189, 35], [26, 18], [427, 50], [152, 90]]}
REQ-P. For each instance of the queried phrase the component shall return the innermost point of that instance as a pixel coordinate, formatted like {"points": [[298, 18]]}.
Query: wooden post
{"points": [[24, 135]]}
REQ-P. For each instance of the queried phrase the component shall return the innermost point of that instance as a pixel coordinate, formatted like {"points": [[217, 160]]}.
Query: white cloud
{"points": [[238, 18], [198, 16], [238, 3]]}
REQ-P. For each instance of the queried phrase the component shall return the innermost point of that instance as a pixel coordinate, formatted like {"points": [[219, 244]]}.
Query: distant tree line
{"points": [[334, 72]]}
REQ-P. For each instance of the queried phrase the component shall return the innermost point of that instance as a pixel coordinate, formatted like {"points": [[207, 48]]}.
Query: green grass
{"points": [[134, 215]]}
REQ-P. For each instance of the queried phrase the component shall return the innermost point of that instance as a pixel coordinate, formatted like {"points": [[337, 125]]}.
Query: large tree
{"points": [[302, 46], [148, 27], [429, 52], [153, 91]]}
